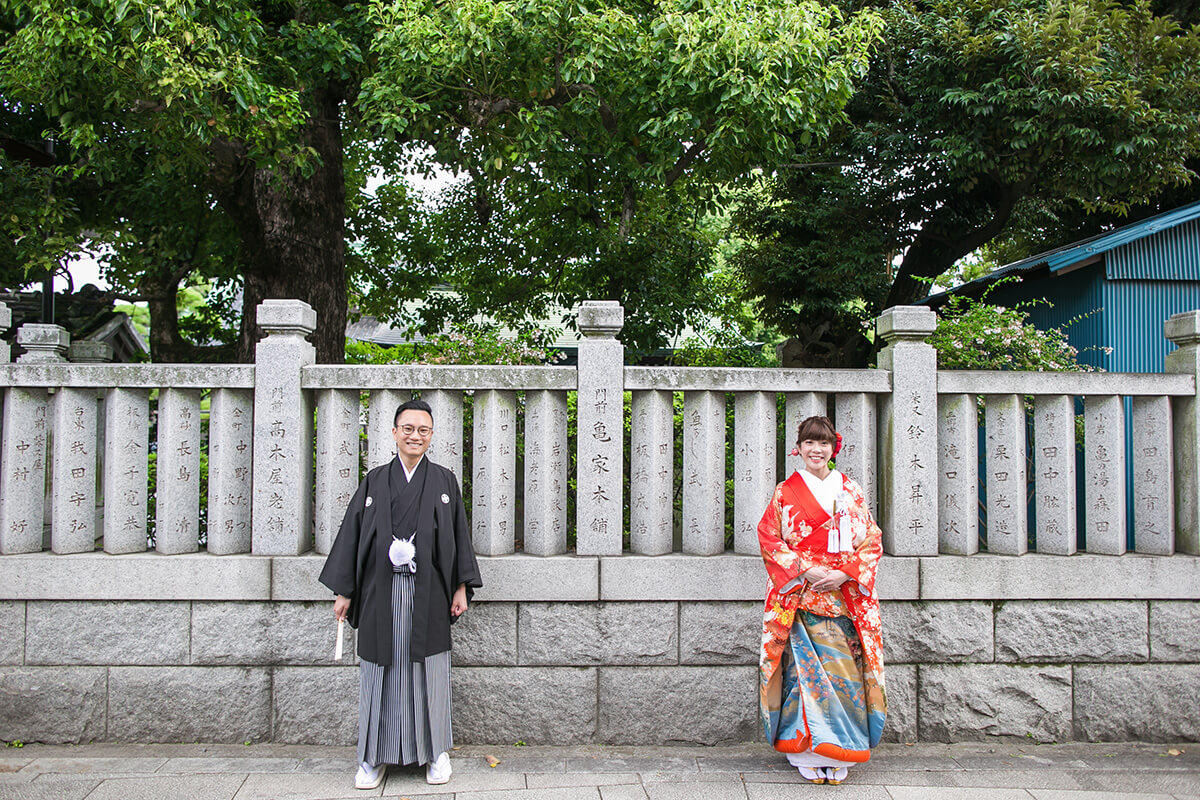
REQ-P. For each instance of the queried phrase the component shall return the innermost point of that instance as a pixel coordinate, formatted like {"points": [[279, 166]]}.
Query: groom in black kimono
{"points": [[403, 570]]}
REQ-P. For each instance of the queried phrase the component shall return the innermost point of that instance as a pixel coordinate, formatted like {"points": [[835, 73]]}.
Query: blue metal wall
{"points": [[1170, 255], [1133, 326]]}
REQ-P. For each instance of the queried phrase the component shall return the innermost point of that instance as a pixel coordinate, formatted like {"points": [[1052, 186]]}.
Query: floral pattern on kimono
{"points": [[793, 536]]}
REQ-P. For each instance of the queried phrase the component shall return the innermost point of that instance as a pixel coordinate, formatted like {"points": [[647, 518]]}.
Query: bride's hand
{"points": [[832, 580]]}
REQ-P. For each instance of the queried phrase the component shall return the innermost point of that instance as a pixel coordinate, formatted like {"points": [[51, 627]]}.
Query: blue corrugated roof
{"points": [[1071, 254], [1077, 252]]}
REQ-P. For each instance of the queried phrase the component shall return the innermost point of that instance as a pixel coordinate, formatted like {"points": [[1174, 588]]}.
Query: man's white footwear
{"points": [[369, 777], [438, 771]]}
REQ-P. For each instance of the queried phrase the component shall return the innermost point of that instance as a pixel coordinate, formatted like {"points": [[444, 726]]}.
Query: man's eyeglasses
{"points": [[423, 431]]}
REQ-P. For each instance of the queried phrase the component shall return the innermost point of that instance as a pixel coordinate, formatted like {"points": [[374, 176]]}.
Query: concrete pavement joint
{"points": [[999, 771]]}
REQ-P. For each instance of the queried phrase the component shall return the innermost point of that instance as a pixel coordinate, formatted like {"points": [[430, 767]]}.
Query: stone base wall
{"points": [[555, 662]]}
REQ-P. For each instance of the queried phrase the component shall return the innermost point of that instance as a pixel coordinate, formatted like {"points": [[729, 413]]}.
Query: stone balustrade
{"points": [[1041, 533]]}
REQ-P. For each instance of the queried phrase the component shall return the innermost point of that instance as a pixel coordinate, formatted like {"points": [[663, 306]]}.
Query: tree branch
{"points": [[686, 160], [482, 109], [939, 243]]}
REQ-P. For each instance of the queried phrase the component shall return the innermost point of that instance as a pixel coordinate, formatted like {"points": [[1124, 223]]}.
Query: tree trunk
{"points": [[167, 345], [292, 230], [953, 231]]}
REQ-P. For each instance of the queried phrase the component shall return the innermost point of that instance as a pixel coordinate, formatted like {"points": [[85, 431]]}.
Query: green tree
{"points": [[976, 116], [599, 103], [39, 226]]}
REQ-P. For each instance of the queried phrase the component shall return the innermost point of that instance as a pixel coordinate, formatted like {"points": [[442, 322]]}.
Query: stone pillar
{"points": [[797, 408], [5, 357], [652, 437], [1104, 473], [337, 461], [283, 430], [753, 465], [958, 475], [856, 421], [73, 483], [230, 470], [545, 472], [1054, 462], [1184, 331], [599, 517], [126, 413], [447, 445], [22, 461], [5, 324], [177, 492], [1153, 494], [381, 418], [908, 480], [704, 473], [89, 352], [43, 344], [1007, 528], [495, 466], [23, 445], [86, 351], [23, 470]]}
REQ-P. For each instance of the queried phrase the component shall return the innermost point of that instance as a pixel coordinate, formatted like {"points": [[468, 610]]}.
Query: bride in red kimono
{"points": [[821, 689]]}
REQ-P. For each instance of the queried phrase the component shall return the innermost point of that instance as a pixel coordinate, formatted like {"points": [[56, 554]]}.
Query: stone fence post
{"points": [[5, 324], [1184, 330], [599, 518], [908, 464], [43, 344], [283, 430], [23, 447], [86, 351]]}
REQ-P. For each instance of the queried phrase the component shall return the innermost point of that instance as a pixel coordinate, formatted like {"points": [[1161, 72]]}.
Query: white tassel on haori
{"points": [[841, 533], [403, 551]]}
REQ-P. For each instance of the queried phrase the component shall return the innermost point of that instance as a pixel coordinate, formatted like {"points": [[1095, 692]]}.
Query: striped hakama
{"points": [[404, 708]]}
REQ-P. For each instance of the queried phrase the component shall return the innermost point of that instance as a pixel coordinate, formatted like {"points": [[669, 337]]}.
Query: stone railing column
{"points": [[908, 477], [1184, 331], [599, 451], [495, 467], [281, 513], [23, 445], [652, 438], [230, 470], [89, 352], [545, 473], [5, 324], [43, 344], [86, 351], [703, 473]]}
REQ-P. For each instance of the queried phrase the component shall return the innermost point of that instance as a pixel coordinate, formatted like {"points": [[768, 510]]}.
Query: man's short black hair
{"points": [[411, 405]]}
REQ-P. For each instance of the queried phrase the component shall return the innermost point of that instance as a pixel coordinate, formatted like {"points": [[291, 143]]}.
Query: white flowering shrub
{"points": [[973, 334]]}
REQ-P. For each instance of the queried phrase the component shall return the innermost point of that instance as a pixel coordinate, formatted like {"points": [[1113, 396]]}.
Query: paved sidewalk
{"points": [[1003, 771]]}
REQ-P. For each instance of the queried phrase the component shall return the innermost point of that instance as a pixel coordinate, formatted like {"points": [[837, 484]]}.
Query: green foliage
{"points": [[588, 138], [723, 348], [39, 227], [815, 260], [177, 77], [976, 115], [476, 344], [973, 334]]}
